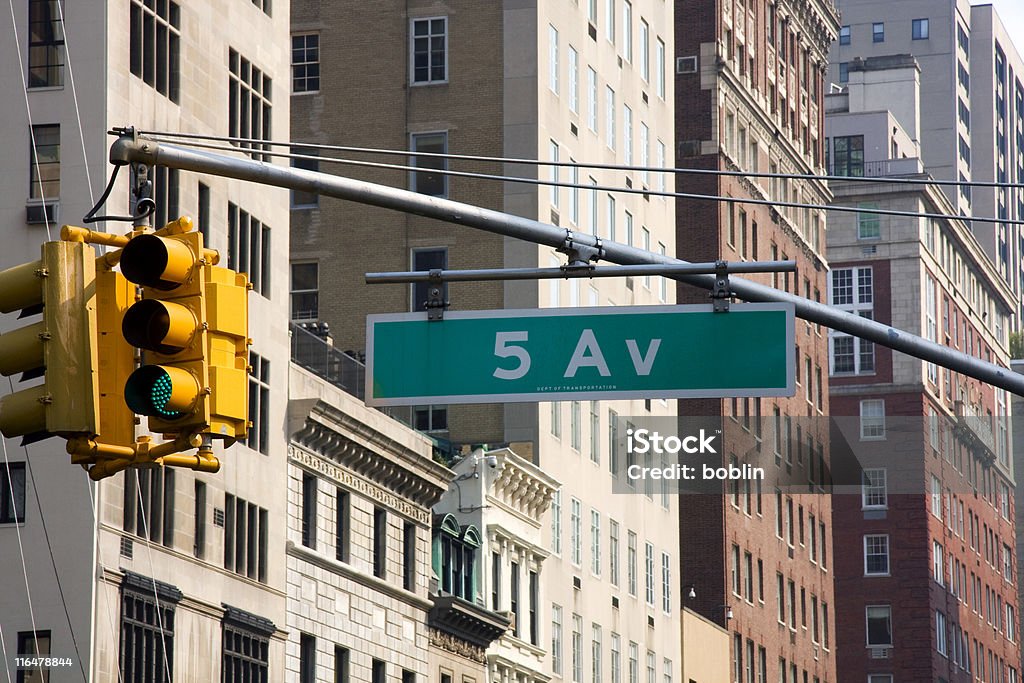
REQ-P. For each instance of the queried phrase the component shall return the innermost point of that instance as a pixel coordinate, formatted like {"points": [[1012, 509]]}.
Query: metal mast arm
{"points": [[128, 148]]}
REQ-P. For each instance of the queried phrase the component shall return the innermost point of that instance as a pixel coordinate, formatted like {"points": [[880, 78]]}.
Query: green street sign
{"points": [[555, 354]]}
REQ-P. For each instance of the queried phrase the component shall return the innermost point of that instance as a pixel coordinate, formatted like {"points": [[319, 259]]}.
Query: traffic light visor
{"points": [[158, 262], [161, 326], [161, 391]]}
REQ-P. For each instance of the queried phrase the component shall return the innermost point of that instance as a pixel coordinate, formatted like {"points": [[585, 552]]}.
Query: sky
{"points": [[1012, 14]]}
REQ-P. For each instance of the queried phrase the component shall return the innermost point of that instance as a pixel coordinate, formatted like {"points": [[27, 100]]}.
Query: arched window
{"points": [[455, 557]]}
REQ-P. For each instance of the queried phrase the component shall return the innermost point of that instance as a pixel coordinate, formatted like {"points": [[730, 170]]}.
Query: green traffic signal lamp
{"points": [[165, 392]]}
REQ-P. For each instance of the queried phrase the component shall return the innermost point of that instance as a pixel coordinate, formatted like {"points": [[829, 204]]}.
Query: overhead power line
{"points": [[592, 188], [257, 142]]}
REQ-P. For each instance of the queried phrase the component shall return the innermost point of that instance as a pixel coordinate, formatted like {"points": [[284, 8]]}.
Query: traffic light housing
{"points": [[192, 326], [61, 347]]}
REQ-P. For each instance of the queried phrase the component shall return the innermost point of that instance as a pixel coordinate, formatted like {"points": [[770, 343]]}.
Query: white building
{"points": [[174, 578]]}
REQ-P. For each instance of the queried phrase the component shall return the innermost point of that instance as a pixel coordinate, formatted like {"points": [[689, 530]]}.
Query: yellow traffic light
{"points": [[192, 325], [61, 348], [168, 325]]}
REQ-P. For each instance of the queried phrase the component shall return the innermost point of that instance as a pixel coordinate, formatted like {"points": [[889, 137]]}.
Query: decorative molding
{"points": [[450, 643]]}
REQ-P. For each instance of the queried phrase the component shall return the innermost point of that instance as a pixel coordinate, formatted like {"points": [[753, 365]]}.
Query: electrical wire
{"points": [[578, 164], [91, 217], [607, 188]]}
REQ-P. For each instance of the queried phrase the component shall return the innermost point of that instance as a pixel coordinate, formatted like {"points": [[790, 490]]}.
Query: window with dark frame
{"points": [[264, 5], [249, 103], [246, 530], [409, 556], [155, 39], [249, 248], [878, 32], [342, 659], [848, 155], [378, 672], [342, 525], [429, 50], [258, 437], [534, 605], [147, 629], [199, 531], [12, 478], [307, 658], [33, 644], [306, 63], [305, 291], [45, 44], [309, 490], [245, 644], [428, 181], [203, 212], [844, 35], [380, 542], [165, 194], [919, 29], [514, 599], [495, 581], [148, 504], [44, 162], [301, 199]]}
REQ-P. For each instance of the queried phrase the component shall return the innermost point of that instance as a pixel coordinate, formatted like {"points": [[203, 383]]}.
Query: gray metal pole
{"points": [[128, 148]]}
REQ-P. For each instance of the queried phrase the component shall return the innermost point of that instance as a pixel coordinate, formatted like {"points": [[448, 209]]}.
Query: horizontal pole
{"points": [[567, 272], [128, 148]]}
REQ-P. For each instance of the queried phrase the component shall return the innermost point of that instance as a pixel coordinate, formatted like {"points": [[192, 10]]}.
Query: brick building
{"points": [[749, 86], [586, 82], [926, 587]]}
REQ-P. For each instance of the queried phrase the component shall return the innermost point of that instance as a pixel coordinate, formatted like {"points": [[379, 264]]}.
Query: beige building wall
{"points": [[705, 649], [91, 548]]}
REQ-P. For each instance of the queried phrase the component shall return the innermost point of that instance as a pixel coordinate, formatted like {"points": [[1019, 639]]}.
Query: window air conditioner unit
{"points": [[41, 213]]}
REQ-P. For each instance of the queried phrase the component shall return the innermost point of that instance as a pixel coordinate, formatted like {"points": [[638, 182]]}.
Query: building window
{"points": [[245, 645], [534, 605], [249, 248], [872, 419], [306, 63], [33, 644], [305, 199], [149, 504], [556, 522], [920, 29], [166, 195], [852, 290], [199, 520], [878, 32], [844, 72], [553, 170], [513, 598], [592, 99], [147, 629], [574, 78], [666, 583], [246, 528], [609, 96], [649, 573], [627, 30], [12, 493], [879, 625], [869, 225], [258, 437], [434, 258], [155, 39], [342, 525], [631, 568], [577, 648], [305, 291], [659, 66], [844, 35], [44, 162], [940, 634], [848, 153], [455, 558], [595, 653], [307, 658], [45, 44], [575, 531], [429, 50], [938, 568], [556, 639], [616, 665], [873, 488], [613, 552], [634, 663], [553, 59], [378, 673], [876, 555], [429, 181], [249, 102], [595, 542], [309, 510], [409, 556], [380, 545]]}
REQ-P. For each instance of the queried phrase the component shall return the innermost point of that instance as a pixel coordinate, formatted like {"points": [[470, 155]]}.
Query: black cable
{"points": [[91, 216]]}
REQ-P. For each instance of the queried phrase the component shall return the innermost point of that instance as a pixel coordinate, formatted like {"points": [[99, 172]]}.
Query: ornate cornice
{"points": [[348, 441], [463, 627], [450, 643], [521, 486]]}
